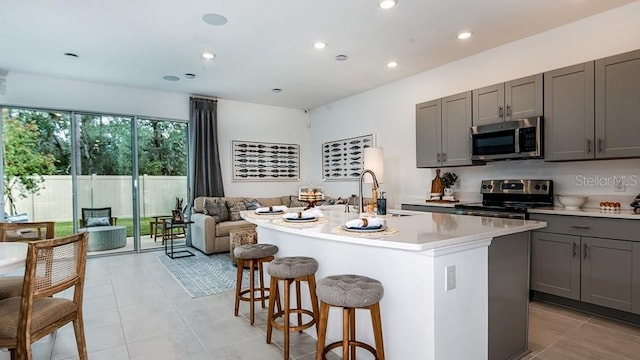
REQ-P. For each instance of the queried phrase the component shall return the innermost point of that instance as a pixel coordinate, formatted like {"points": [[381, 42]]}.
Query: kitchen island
{"points": [[434, 268]]}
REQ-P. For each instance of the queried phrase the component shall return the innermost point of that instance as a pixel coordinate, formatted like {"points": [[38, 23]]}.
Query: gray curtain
{"points": [[207, 177]]}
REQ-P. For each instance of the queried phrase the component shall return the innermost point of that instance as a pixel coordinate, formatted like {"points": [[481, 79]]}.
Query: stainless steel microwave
{"points": [[517, 139]]}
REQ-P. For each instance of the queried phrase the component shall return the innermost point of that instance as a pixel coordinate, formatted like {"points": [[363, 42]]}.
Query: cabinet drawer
{"points": [[590, 226]]}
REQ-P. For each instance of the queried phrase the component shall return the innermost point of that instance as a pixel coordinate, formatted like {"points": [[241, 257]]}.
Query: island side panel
{"points": [[420, 318]]}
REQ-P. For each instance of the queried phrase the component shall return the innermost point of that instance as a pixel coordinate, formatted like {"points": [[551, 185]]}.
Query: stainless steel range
{"points": [[509, 198]]}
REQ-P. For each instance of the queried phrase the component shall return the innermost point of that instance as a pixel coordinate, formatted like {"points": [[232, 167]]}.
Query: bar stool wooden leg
{"points": [[322, 330], [252, 290], [238, 286], [352, 331], [298, 303], [345, 333], [261, 274], [287, 313], [314, 298], [376, 322], [274, 295]]}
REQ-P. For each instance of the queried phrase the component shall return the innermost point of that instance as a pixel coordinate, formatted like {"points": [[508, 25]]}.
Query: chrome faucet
{"points": [[375, 187]]}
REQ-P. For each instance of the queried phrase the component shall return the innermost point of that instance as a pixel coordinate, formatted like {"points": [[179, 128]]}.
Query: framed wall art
{"points": [[344, 159], [263, 161]]}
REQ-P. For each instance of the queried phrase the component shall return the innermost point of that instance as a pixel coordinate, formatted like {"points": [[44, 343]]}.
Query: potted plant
{"points": [[449, 180]]}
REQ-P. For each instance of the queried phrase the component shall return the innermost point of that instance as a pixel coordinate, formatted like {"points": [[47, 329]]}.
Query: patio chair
{"points": [[11, 286], [52, 266], [97, 217]]}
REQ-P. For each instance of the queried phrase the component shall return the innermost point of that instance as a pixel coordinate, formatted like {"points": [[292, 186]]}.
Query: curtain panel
{"points": [[207, 176]]}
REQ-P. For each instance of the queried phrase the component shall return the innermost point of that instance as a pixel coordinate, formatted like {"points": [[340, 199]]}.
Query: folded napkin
{"points": [[449, 198], [303, 215], [270, 209], [365, 223]]}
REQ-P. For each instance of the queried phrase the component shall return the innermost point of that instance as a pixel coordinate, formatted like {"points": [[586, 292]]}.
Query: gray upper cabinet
{"points": [[617, 99], [591, 109], [515, 99], [569, 113], [443, 130]]}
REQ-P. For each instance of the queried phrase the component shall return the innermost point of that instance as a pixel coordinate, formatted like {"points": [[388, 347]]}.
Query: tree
{"points": [[24, 164]]}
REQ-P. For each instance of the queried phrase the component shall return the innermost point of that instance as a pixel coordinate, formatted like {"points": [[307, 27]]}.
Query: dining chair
{"points": [[97, 217], [53, 265], [11, 286]]}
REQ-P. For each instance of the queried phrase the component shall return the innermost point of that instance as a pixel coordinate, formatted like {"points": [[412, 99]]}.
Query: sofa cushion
{"points": [[223, 228], [234, 209], [274, 201], [216, 207], [294, 202]]}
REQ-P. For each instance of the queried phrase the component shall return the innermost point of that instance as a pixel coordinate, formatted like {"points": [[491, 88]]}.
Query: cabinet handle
{"points": [[600, 141], [585, 248], [438, 157], [500, 112], [444, 157], [508, 110], [588, 146], [581, 226], [575, 249]]}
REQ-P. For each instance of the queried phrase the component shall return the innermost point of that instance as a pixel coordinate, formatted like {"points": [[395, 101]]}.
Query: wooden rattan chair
{"points": [[89, 214], [11, 286], [53, 265]]}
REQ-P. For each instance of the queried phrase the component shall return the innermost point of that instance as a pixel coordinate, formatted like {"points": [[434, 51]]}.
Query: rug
{"points": [[203, 275]]}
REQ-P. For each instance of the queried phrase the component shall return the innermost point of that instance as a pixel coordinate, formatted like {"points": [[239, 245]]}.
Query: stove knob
{"points": [[537, 187], [484, 187], [544, 187], [490, 186]]}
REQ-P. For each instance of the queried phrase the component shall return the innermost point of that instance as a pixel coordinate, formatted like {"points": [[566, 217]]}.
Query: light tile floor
{"points": [[135, 310]]}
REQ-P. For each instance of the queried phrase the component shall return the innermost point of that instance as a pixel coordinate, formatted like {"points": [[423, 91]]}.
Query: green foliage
{"points": [[449, 179], [24, 165]]}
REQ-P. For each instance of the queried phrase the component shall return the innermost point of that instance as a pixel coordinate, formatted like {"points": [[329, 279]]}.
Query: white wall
{"points": [[389, 111], [236, 120]]}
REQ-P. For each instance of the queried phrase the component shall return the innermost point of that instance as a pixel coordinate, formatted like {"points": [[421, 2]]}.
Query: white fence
{"points": [[54, 202]]}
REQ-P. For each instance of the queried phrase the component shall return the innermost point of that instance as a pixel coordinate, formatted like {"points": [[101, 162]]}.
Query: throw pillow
{"points": [[294, 202], [252, 204], [99, 221], [217, 208], [234, 210]]}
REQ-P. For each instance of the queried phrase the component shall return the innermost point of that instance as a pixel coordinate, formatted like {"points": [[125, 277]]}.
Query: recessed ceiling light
{"points": [[387, 4], [71, 55], [392, 64], [276, 90], [341, 57], [214, 19], [464, 35], [208, 55], [319, 45], [171, 78], [190, 76]]}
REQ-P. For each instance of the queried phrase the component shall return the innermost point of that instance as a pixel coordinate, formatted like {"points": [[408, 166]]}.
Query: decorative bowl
{"points": [[572, 202]]}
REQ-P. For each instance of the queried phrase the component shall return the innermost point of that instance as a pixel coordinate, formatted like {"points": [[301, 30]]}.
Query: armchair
{"points": [[97, 217]]}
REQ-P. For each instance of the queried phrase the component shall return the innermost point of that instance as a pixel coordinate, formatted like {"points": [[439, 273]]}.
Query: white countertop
{"points": [[418, 232], [593, 212]]}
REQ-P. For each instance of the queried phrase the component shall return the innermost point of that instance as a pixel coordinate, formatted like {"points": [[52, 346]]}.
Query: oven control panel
{"points": [[539, 187]]}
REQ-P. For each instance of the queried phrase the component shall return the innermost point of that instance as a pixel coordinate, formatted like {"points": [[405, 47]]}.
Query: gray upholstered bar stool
{"points": [[350, 292], [255, 255], [290, 270]]}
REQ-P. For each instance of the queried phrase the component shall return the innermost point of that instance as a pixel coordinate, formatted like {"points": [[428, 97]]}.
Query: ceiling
{"points": [[264, 45]]}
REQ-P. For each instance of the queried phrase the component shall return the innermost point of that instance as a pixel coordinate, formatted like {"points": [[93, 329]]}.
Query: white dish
{"points": [[302, 220], [572, 202], [270, 212], [365, 230]]}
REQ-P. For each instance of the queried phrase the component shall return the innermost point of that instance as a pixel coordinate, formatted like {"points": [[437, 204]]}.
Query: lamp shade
{"points": [[374, 161]]}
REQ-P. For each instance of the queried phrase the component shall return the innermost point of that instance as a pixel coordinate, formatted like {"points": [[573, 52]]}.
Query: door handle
{"points": [[575, 249], [588, 146], [580, 226], [600, 141], [585, 248], [500, 112], [508, 110]]}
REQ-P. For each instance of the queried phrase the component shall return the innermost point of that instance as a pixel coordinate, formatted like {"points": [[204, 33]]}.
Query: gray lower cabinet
{"points": [[512, 100], [576, 262], [591, 109], [443, 131]]}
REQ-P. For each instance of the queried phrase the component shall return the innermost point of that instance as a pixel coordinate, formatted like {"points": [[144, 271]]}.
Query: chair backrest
{"points": [[54, 265], [27, 231], [96, 217]]}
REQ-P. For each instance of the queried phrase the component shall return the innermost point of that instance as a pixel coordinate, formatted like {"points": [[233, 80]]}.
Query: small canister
{"points": [[381, 205]]}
